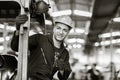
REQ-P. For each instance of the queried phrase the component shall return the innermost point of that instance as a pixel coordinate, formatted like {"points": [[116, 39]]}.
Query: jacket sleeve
{"points": [[32, 42], [14, 42], [65, 75], [67, 64], [67, 69]]}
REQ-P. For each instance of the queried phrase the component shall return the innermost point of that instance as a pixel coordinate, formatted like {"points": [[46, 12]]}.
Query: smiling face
{"points": [[60, 31]]}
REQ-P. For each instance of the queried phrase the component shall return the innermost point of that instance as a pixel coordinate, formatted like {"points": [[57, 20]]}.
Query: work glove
{"points": [[60, 64], [21, 19], [41, 7], [64, 76]]}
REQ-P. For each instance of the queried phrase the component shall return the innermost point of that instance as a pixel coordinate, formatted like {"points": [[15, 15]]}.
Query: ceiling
{"points": [[87, 28], [103, 12], [100, 22]]}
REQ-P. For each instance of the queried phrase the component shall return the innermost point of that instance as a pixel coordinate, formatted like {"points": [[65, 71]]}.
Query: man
{"points": [[47, 53], [93, 73]]}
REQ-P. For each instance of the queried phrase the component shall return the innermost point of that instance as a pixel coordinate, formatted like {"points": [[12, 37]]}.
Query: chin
{"points": [[60, 40]]}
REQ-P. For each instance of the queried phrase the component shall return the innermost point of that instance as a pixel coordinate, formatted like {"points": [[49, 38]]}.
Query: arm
{"points": [[64, 73], [33, 41], [15, 41], [21, 19]]}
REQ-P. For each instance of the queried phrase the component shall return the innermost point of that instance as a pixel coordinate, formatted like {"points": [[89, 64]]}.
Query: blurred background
{"points": [[95, 38]]}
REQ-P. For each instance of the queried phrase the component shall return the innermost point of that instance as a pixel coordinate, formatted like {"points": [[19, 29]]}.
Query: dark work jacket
{"points": [[41, 58], [64, 55], [93, 76]]}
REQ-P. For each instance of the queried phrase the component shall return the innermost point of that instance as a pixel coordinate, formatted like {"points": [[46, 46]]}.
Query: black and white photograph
{"points": [[59, 39]]}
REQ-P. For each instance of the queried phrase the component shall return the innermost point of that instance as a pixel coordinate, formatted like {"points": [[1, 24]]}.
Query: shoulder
{"points": [[66, 51], [38, 36], [98, 70], [90, 70], [65, 48]]}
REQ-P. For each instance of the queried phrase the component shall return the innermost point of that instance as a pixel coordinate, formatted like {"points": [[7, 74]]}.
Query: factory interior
{"points": [[95, 38]]}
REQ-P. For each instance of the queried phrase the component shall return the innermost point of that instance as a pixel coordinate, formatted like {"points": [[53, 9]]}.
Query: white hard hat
{"points": [[65, 20]]}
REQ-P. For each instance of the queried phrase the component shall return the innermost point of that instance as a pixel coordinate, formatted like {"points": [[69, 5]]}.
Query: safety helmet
{"points": [[64, 20]]}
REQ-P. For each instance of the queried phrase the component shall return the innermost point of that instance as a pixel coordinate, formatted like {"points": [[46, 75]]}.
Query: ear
{"points": [[53, 29]]}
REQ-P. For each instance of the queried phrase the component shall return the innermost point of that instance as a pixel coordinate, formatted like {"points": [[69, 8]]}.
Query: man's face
{"points": [[60, 31]]}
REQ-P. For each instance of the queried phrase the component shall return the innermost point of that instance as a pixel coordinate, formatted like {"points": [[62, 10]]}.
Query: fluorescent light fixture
{"points": [[77, 46], [60, 13], [1, 48], [96, 44], [107, 42], [73, 40], [116, 19], [69, 12], [74, 46], [78, 40], [82, 13], [77, 31], [106, 35], [11, 28], [2, 39]]}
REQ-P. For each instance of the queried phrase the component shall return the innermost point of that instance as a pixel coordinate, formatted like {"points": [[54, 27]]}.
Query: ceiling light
{"points": [[69, 12], [107, 42], [60, 13], [1, 47], [106, 35], [2, 39], [11, 28], [80, 40], [78, 30], [116, 19], [74, 46], [79, 46], [96, 44], [82, 13], [74, 40]]}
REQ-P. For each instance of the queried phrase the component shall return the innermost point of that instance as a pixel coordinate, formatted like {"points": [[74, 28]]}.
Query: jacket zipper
{"points": [[44, 56]]}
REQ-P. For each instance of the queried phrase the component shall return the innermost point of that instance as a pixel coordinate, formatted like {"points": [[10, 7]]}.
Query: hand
{"points": [[1, 61], [41, 7], [21, 19], [60, 64]]}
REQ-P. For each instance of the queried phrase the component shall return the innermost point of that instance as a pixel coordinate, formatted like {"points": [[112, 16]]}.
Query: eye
{"points": [[58, 27], [65, 30]]}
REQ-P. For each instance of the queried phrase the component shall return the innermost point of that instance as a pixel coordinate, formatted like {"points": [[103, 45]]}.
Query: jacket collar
{"points": [[50, 38]]}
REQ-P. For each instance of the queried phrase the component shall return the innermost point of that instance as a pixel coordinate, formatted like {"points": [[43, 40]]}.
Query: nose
{"points": [[61, 31]]}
